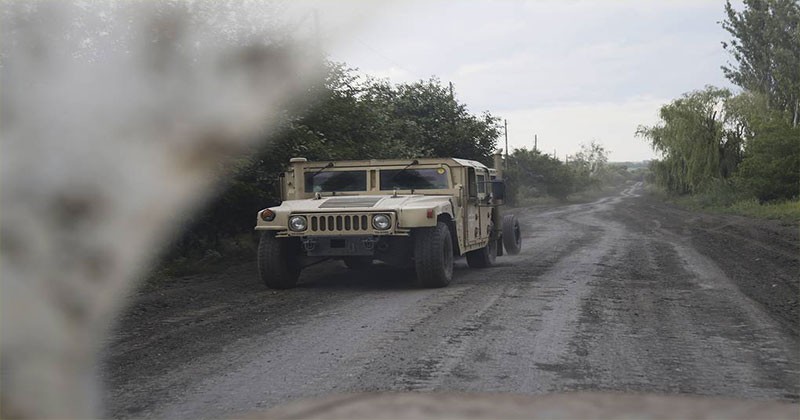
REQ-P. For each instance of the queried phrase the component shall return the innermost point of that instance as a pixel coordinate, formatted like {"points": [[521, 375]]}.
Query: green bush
{"points": [[771, 167]]}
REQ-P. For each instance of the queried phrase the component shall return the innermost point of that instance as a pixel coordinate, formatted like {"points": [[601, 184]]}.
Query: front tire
{"points": [[278, 265], [512, 237], [484, 257], [433, 255]]}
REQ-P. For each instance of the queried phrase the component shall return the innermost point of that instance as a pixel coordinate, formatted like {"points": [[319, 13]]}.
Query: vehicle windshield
{"points": [[336, 181], [414, 179]]}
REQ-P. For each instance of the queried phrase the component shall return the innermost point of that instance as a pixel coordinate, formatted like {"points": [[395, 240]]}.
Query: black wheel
{"points": [[484, 257], [433, 255], [355, 263], [278, 265], [512, 237]]}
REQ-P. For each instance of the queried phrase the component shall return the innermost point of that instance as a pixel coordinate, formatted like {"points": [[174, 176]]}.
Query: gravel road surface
{"points": [[622, 294]]}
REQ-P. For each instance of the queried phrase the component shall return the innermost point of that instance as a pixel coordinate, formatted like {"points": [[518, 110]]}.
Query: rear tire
{"points": [[484, 257], [512, 237], [357, 263], [278, 265], [433, 255]]}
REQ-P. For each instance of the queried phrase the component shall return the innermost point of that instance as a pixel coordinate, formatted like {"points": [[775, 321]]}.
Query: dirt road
{"points": [[623, 294]]}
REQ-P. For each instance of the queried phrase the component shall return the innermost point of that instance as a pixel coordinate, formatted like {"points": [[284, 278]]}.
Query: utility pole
{"points": [[452, 98], [535, 142], [505, 124]]}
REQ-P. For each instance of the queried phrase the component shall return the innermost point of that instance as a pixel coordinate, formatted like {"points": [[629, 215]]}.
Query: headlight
{"points": [[298, 223], [381, 222]]}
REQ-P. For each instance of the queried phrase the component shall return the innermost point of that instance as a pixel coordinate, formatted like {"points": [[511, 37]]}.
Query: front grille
{"points": [[339, 223]]}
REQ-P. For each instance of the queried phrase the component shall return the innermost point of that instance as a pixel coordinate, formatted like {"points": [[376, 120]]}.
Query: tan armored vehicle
{"points": [[419, 213]]}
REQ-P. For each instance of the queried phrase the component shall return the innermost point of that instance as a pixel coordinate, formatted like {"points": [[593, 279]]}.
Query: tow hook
{"points": [[309, 244], [369, 243]]}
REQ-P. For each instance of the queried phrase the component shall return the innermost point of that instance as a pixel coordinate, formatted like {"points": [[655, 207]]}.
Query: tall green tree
{"points": [[770, 169], [766, 47], [766, 50]]}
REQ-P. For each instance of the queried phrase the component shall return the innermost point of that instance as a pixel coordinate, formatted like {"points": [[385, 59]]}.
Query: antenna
{"points": [[505, 123]]}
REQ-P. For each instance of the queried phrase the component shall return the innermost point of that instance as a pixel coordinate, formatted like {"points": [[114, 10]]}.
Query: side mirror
{"points": [[498, 189]]}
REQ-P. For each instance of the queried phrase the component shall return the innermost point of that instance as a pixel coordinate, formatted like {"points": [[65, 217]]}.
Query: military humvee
{"points": [[417, 213]]}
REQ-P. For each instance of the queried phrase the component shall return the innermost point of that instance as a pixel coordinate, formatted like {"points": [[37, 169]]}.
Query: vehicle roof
{"points": [[397, 162]]}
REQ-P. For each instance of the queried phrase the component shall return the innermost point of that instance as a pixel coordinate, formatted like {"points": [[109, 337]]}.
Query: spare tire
{"points": [[512, 237]]}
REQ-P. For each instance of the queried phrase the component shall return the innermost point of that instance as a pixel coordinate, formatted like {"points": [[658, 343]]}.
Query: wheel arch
{"points": [[448, 220]]}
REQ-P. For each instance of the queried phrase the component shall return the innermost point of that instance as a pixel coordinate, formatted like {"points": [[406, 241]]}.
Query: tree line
{"points": [[533, 174], [745, 144]]}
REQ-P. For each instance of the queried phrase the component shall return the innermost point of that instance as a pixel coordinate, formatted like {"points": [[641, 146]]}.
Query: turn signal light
{"points": [[267, 215], [430, 214]]}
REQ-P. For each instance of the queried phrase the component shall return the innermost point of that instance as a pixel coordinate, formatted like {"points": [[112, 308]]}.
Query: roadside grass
{"points": [[718, 202], [787, 210], [240, 248]]}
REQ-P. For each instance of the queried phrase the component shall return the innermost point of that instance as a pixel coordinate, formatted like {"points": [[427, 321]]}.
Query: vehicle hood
{"points": [[364, 203]]}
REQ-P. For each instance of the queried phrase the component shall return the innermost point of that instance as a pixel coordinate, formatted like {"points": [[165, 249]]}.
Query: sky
{"points": [[568, 71]]}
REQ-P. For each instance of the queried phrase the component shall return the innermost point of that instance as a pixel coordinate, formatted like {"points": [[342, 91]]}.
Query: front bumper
{"points": [[340, 246]]}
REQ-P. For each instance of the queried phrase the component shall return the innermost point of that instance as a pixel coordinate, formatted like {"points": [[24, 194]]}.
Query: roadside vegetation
{"points": [[537, 178], [739, 152]]}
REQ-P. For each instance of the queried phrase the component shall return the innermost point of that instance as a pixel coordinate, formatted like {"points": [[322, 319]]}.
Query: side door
{"points": [[484, 210], [472, 211]]}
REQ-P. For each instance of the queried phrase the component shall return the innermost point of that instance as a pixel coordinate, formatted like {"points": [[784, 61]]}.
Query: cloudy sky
{"points": [[567, 71]]}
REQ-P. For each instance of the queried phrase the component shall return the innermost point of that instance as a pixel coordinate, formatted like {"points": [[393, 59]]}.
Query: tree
{"points": [[770, 168], [589, 165], [766, 48], [433, 122], [694, 140]]}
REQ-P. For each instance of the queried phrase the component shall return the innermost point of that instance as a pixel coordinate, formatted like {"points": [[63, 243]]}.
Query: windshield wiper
{"points": [[329, 165], [414, 162]]}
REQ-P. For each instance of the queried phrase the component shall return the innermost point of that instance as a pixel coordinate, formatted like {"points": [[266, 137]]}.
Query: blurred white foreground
{"points": [[114, 116]]}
